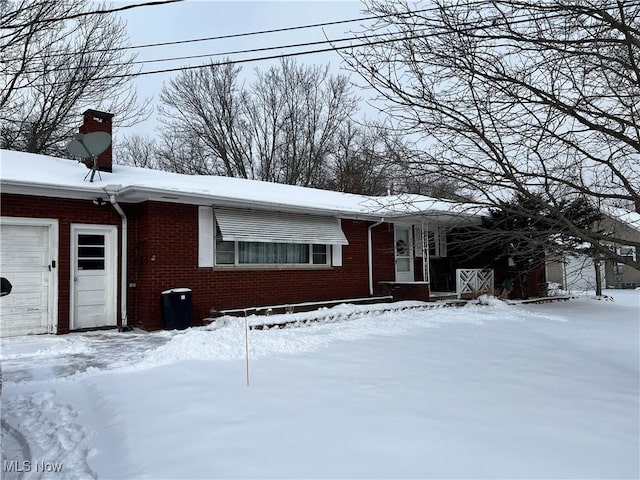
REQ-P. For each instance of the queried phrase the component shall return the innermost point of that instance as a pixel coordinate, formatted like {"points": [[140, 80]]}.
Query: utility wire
{"points": [[219, 54], [244, 34], [263, 32], [84, 14], [235, 52], [300, 27], [473, 27]]}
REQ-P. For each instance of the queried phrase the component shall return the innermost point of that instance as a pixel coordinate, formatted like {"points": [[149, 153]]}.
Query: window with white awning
{"points": [[233, 236], [276, 227]]}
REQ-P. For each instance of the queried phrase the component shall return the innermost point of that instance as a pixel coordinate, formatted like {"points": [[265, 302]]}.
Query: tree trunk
{"points": [[596, 263]]}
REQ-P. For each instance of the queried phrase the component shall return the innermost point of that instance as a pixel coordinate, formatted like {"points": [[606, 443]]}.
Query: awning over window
{"points": [[275, 227]]}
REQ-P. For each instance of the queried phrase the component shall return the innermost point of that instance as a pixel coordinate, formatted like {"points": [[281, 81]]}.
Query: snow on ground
{"points": [[499, 391]]}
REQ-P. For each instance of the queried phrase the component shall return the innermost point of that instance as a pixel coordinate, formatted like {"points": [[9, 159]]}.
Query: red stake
{"points": [[246, 343]]}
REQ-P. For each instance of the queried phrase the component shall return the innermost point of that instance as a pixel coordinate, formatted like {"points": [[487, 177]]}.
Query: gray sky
{"points": [[201, 18]]}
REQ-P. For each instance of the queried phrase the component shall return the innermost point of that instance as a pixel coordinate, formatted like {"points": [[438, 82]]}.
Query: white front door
{"points": [[403, 254], [93, 276], [28, 256]]}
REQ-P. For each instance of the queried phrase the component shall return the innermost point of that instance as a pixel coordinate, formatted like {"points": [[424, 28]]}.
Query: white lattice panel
{"points": [[473, 280]]}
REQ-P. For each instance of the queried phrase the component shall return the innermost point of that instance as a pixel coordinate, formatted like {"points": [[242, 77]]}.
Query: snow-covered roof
{"points": [[631, 219], [33, 174]]}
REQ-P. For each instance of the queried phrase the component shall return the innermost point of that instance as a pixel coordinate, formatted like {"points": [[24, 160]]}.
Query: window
{"points": [[90, 252], [320, 256], [626, 251], [225, 252], [234, 237], [436, 238], [262, 253]]}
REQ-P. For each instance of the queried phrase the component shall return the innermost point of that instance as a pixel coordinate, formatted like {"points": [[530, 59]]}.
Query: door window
{"points": [[90, 252]]}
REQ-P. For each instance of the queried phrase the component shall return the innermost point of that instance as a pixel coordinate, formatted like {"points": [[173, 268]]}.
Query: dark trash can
{"points": [[5, 286], [176, 308]]}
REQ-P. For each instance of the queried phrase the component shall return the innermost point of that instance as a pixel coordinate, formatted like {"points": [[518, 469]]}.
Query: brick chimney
{"points": [[96, 121]]}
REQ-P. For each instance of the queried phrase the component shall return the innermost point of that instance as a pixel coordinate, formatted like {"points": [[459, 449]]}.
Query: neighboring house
{"points": [[84, 254], [574, 273], [624, 225], [577, 273]]}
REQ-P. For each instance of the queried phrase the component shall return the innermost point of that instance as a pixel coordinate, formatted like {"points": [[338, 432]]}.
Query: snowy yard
{"points": [[499, 391]]}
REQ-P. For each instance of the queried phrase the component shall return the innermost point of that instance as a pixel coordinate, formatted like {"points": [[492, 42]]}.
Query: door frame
{"points": [[111, 260], [410, 274], [52, 296]]}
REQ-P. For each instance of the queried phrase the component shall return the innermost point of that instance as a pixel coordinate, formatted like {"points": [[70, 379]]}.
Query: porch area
{"points": [[430, 265]]}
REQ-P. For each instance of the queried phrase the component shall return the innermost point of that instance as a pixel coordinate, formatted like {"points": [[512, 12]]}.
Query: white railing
{"points": [[473, 281]]}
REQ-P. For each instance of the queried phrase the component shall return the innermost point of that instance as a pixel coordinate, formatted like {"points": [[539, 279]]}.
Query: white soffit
{"points": [[276, 227]]}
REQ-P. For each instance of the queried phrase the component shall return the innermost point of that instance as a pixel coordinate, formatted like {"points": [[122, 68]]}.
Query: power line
{"points": [[219, 54], [245, 34], [84, 14], [474, 27], [235, 52]]}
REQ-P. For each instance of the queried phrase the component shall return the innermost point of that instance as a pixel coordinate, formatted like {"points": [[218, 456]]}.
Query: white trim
{"points": [[206, 237], [276, 227], [370, 253], [405, 276], [336, 255], [111, 256], [336, 251], [52, 295], [426, 259], [124, 268]]}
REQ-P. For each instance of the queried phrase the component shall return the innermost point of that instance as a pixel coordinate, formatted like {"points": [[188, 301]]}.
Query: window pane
{"points": [[272, 253], [225, 252], [626, 251], [403, 265], [90, 239], [402, 241], [90, 264], [95, 252], [319, 254], [297, 253]]}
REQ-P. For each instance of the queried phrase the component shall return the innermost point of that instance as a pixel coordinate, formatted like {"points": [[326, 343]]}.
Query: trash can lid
{"points": [[177, 290]]}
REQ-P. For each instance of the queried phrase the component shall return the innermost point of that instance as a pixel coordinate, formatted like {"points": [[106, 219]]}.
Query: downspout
{"points": [[370, 252], [123, 267]]}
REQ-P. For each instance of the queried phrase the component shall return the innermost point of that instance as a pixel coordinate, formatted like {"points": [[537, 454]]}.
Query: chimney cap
{"points": [[97, 114]]}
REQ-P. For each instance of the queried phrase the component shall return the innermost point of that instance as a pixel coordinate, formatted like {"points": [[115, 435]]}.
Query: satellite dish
{"points": [[89, 146]]}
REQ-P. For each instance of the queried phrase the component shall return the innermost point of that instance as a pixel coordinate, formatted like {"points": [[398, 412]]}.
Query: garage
{"points": [[28, 257]]}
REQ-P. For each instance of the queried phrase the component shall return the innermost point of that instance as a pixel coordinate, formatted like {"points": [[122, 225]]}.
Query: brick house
{"points": [[86, 254]]}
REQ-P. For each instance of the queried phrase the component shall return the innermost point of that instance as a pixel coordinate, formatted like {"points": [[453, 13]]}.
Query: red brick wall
{"points": [[384, 265], [163, 254], [67, 212], [167, 257], [96, 121]]}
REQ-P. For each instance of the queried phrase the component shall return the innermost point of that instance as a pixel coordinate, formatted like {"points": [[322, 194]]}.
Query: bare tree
{"points": [[55, 65], [364, 160], [278, 129], [516, 97], [136, 151], [206, 106]]}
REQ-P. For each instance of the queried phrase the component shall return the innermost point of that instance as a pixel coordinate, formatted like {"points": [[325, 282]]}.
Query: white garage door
{"points": [[26, 260], [580, 274]]}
